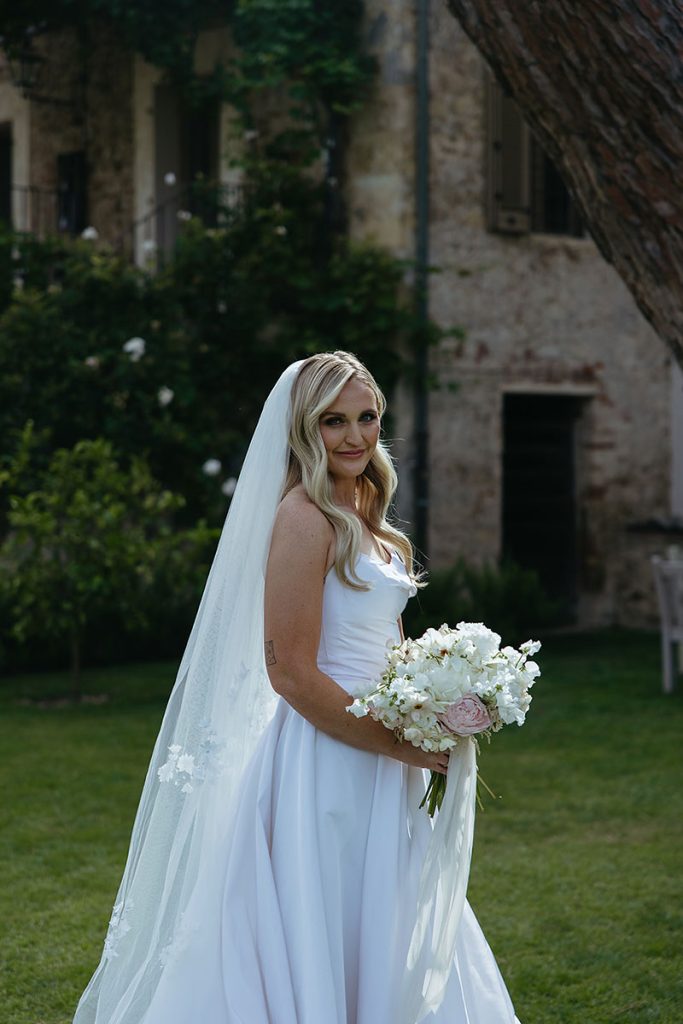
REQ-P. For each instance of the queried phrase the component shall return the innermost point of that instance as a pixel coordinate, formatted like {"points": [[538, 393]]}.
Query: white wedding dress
{"points": [[310, 913]]}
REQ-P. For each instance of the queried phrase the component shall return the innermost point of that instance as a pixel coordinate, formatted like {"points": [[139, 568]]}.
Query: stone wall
{"points": [[88, 86], [380, 177], [15, 110], [381, 153], [110, 140], [542, 314]]}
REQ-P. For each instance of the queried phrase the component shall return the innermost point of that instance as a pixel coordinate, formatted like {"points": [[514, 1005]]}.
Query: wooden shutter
{"points": [[508, 169]]}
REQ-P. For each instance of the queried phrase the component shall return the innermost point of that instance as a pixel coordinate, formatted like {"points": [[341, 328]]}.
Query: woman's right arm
{"points": [[293, 612]]}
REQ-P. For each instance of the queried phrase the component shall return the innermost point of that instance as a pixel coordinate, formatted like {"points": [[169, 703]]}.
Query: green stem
{"points": [[435, 793]]}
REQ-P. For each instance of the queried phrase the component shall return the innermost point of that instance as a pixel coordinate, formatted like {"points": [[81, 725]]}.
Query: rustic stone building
{"points": [[560, 438], [557, 426]]}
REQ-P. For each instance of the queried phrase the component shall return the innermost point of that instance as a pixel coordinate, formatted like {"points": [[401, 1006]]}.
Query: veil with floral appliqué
{"points": [[219, 706]]}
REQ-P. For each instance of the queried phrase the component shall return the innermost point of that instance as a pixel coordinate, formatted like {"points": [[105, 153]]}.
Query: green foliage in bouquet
{"points": [[94, 538], [507, 597]]}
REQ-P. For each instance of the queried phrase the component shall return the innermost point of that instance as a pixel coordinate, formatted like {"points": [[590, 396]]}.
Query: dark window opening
{"points": [[6, 174], [186, 163], [199, 166], [72, 207], [553, 211], [539, 490]]}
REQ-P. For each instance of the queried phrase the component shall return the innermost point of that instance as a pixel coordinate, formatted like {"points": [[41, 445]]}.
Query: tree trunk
{"points": [[600, 83], [76, 692]]}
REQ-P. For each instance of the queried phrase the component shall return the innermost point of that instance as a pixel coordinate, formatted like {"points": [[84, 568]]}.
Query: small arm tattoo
{"points": [[270, 653]]}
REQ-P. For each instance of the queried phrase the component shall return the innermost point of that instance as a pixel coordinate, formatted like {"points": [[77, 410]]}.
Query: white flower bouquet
{"points": [[449, 684]]}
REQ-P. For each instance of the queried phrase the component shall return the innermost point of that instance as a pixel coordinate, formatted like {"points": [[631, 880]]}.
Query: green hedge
{"points": [[218, 322], [507, 597]]}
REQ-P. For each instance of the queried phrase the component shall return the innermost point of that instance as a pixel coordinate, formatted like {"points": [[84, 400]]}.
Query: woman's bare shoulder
{"points": [[300, 521]]}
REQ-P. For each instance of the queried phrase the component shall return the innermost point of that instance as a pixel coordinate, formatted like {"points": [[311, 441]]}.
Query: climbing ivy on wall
{"points": [[303, 59], [311, 49]]}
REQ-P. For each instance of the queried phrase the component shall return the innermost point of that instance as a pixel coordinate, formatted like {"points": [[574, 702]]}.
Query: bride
{"points": [[275, 860]]}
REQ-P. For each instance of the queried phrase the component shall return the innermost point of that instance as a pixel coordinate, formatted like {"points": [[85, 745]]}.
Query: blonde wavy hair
{"points": [[318, 383]]}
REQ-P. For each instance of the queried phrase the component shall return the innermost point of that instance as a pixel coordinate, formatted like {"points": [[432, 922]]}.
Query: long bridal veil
{"points": [[219, 706], [218, 709]]}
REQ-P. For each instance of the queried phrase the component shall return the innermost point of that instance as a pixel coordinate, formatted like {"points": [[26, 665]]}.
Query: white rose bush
{"points": [[447, 685]]}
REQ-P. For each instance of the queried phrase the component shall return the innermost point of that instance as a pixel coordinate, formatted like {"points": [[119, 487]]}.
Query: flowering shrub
{"points": [[172, 369], [94, 538], [175, 367]]}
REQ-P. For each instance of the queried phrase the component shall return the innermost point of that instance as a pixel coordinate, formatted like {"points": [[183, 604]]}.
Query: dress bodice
{"points": [[358, 626]]}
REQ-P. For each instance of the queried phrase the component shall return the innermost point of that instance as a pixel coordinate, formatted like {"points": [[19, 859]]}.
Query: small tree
{"points": [[89, 540]]}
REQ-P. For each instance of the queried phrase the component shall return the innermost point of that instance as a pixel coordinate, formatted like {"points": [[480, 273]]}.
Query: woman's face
{"points": [[350, 430]]}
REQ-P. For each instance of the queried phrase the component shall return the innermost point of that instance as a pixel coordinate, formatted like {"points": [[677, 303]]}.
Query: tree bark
{"points": [[76, 691], [600, 83]]}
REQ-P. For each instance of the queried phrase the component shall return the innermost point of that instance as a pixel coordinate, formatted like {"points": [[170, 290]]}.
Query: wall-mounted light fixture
{"points": [[29, 68]]}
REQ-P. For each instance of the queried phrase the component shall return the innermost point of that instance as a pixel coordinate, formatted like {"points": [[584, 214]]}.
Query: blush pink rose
{"points": [[466, 716]]}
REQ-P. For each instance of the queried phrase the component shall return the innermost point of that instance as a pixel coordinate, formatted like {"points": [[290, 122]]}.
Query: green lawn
{"points": [[576, 874]]}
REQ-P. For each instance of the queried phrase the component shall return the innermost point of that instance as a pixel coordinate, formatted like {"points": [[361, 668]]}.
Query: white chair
{"points": [[669, 584]]}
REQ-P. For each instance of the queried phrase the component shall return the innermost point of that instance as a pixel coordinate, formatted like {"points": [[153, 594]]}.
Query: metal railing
{"points": [[45, 211]]}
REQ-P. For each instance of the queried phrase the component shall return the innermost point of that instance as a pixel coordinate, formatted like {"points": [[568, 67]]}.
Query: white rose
{"points": [[212, 467], [135, 347]]}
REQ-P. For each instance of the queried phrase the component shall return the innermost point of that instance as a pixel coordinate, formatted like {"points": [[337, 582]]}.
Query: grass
{"points": [[576, 875]]}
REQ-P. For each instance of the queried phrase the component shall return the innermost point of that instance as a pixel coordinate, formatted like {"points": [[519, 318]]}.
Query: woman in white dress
{"points": [[275, 863]]}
